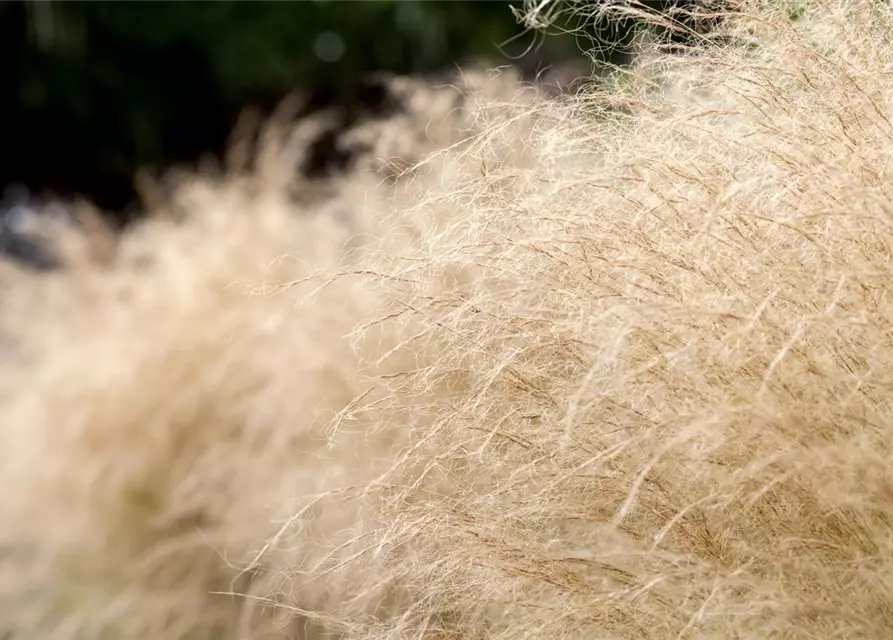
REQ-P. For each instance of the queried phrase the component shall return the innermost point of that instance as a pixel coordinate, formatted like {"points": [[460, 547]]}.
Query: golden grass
{"points": [[593, 373]]}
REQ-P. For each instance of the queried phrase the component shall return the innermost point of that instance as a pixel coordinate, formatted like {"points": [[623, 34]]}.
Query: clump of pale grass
{"points": [[657, 351], [170, 411], [159, 427], [613, 367]]}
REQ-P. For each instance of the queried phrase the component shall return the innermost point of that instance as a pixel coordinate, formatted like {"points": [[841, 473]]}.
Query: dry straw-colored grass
{"points": [[595, 373]]}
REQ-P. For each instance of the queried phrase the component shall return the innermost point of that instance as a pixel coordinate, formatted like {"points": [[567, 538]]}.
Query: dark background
{"points": [[95, 90]]}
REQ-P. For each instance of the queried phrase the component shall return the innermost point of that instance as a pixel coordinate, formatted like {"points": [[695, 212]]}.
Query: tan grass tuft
{"points": [[616, 366]]}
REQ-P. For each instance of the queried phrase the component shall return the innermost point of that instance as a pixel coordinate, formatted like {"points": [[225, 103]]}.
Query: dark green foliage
{"points": [[99, 89]]}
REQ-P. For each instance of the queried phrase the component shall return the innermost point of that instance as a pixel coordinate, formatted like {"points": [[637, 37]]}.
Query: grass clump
{"points": [[674, 340], [616, 366]]}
